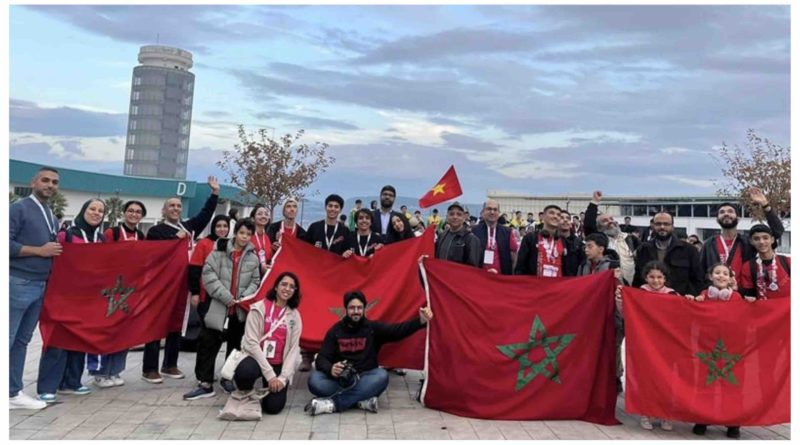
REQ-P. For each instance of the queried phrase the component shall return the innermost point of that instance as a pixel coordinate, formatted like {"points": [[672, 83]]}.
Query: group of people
{"points": [[229, 263]]}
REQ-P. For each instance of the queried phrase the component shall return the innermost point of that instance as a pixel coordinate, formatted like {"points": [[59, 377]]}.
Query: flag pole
{"points": [[427, 330]]}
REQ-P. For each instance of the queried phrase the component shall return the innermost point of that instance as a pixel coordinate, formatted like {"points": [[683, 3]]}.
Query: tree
{"points": [[274, 170], [762, 164], [58, 204], [113, 210]]}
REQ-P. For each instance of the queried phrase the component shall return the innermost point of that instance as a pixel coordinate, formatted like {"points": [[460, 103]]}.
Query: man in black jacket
{"points": [[546, 254], [498, 244], [457, 243], [681, 258], [171, 228], [382, 217], [330, 233], [350, 345]]}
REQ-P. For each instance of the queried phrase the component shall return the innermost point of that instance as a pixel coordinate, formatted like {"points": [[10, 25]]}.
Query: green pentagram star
{"points": [[710, 359], [340, 312], [117, 303], [520, 351]]}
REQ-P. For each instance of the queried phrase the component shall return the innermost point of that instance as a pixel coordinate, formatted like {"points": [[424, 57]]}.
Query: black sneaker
{"points": [[734, 432], [199, 392], [699, 429], [227, 386]]}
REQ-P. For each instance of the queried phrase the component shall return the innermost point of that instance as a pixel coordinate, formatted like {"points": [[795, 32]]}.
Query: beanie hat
{"points": [[356, 294]]}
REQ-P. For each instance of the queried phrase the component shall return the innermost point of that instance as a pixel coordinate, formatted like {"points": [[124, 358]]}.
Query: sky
{"points": [[543, 100]]}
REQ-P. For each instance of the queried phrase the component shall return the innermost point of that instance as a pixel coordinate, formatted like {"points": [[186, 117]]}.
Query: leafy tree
{"points": [[58, 204], [274, 170], [114, 210], [761, 164]]}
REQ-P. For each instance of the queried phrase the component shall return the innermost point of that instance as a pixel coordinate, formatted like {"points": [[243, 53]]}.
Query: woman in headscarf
{"points": [[61, 370]]}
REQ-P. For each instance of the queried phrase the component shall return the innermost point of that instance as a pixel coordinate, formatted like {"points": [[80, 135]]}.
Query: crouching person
{"points": [[272, 343], [347, 371]]}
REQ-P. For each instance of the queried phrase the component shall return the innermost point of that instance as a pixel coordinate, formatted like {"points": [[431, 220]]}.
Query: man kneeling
{"points": [[347, 371]]}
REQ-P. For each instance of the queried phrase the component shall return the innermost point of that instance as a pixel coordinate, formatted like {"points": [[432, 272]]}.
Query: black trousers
{"points": [[245, 378], [209, 343], [171, 350]]}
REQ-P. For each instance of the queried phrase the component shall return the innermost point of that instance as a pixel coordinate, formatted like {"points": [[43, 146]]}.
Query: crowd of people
{"points": [[230, 261]]}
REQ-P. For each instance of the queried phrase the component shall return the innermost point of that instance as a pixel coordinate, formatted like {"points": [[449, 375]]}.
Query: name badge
{"points": [[488, 257], [262, 256], [549, 271], [269, 348]]}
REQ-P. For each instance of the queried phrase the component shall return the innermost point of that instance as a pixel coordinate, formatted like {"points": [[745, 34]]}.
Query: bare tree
{"points": [[761, 164], [274, 170]]}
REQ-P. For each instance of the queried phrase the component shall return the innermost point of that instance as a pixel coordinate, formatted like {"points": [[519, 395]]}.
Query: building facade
{"points": [[160, 114], [78, 186], [694, 215]]}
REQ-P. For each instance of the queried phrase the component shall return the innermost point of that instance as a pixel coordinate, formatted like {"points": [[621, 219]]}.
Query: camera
{"points": [[349, 375]]}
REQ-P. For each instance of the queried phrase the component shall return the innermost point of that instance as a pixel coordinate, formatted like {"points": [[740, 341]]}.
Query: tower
{"points": [[160, 113]]}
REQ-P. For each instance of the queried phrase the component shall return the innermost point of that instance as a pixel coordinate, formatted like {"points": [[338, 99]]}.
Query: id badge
{"points": [[488, 257], [269, 348], [549, 271], [262, 256]]}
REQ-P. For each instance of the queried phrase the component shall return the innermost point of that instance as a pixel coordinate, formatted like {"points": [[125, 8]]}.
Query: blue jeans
{"points": [[371, 384], [107, 365], [59, 369], [25, 303]]}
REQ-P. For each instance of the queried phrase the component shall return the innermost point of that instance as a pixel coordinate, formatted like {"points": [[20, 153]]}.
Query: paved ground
{"points": [[140, 410]]}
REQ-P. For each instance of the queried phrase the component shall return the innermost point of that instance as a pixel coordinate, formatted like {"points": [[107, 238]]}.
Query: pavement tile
{"points": [[116, 431], [82, 433], [21, 434], [50, 434], [295, 435]]}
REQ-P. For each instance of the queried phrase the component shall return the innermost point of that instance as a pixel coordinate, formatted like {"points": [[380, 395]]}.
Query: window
{"points": [[129, 154], [136, 95], [137, 80], [684, 210], [131, 139], [183, 143], [133, 124], [640, 210], [134, 110], [22, 191], [128, 169], [700, 210], [185, 129]]}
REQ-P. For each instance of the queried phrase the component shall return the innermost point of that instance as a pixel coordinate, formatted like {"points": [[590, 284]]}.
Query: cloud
{"points": [[28, 117], [705, 183], [307, 122]]}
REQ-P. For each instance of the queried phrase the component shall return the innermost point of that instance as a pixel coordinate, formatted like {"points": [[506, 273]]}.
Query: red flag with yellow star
{"points": [[447, 188]]}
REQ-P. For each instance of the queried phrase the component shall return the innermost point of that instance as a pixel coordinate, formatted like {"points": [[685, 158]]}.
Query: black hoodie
{"points": [[359, 343]]}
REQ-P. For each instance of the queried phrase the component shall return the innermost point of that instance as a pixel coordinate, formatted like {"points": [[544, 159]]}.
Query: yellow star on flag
{"points": [[438, 189]]}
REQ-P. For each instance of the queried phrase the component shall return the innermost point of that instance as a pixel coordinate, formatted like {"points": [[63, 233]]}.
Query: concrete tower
{"points": [[160, 114]]}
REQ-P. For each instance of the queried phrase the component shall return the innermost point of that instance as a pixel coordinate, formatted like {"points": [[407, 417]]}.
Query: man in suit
{"points": [[382, 217]]}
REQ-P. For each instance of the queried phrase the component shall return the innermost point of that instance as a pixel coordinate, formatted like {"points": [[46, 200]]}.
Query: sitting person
{"points": [[353, 344]]}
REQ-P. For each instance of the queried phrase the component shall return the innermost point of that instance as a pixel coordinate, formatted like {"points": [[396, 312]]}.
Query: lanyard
{"points": [[294, 227], [329, 241], [550, 248], [125, 235], [50, 227], [258, 241], [273, 325], [491, 241], [726, 248], [179, 226], [363, 251], [762, 277], [84, 235]]}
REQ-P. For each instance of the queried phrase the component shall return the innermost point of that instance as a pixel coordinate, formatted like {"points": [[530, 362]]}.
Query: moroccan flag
{"points": [[717, 363], [104, 298], [447, 188], [390, 280], [520, 347]]}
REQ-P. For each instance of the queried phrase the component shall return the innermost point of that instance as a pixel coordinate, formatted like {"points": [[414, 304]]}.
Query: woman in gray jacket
{"points": [[272, 343], [230, 273]]}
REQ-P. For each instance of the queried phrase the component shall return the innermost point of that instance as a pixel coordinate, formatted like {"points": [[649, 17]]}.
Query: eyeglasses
{"points": [[662, 224]]}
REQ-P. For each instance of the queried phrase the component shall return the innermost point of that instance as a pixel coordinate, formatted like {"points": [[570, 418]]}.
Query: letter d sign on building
{"points": [[181, 189]]}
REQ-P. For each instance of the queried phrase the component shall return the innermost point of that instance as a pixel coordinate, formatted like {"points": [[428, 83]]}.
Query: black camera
{"points": [[349, 375]]}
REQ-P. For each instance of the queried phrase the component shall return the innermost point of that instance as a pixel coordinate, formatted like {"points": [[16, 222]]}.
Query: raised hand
{"points": [[757, 196], [214, 184], [597, 195]]}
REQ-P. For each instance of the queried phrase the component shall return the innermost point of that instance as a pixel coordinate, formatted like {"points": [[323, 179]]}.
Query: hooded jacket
{"points": [[359, 343], [254, 330], [217, 273]]}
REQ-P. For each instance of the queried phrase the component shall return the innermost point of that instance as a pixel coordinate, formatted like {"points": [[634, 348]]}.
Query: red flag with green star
{"points": [[447, 188], [713, 362], [390, 281], [520, 348]]}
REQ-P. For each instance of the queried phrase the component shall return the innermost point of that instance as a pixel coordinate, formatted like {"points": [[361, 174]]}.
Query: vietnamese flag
{"points": [[390, 280], [105, 298], [520, 347], [716, 363], [447, 188]]}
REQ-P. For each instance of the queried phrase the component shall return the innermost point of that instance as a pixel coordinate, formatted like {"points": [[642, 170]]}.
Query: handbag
{"points": [[236, 356], [243, 405]]}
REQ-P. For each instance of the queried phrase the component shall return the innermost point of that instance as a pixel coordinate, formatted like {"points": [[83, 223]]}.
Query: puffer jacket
{"points": [[217, 280]]}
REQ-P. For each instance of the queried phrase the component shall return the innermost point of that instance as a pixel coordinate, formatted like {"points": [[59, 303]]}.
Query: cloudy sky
{"points": [[532, 99]]}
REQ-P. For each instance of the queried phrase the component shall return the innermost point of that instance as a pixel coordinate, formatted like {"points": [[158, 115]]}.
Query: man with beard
{"points": [[685, 275], [498, 245], [381, 218], [620, 242], [544, 252], [571, 238], [728, 247], [287, 227], [457, 243], [347, 372], [329, 234]]}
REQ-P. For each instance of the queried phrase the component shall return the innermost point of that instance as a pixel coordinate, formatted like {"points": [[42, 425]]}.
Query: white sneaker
{"points": [[118, 381], [645, 423], [24, 401], [370, 404], [320, 406], [666, 425], [103, 382]]}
